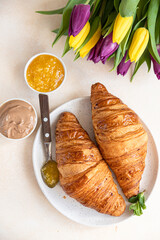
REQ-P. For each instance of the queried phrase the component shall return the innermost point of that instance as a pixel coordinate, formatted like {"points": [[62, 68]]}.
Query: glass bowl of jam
{"points": [[45, 73]]}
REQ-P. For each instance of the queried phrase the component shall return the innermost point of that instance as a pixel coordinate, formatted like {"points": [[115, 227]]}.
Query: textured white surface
{"points": [[81, 107], [25, 213]]}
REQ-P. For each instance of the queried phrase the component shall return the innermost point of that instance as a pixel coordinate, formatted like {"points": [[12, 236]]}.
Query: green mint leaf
{"points": [[133, 199], [141, 199], [138, 203], [136, 209], [133, 207]]}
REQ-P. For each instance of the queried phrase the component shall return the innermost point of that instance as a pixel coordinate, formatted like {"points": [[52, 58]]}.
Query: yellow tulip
{"points": [[76, 42], [138, 44], [121, 27], [91, 43]]}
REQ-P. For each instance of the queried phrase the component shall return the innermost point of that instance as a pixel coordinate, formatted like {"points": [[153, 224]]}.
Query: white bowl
{"points": [[36, 118], [31, 59]]}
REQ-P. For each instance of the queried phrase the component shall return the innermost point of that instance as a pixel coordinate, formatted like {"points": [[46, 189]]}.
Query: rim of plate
{"points": [[32, 58], [48, 198]]}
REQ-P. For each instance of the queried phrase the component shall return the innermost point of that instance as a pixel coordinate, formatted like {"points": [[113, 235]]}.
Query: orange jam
{"points": [[45, 73]]}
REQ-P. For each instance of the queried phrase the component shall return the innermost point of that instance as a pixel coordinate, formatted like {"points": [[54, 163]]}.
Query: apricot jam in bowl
{"points": [[45, 73]]}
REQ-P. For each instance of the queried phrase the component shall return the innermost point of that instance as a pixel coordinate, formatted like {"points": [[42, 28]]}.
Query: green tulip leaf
{"points": [[77, 56], [56, 31], [145, 8], [118, 58], [123, 44], [106, 33], [67, 48], [128, 8], [148, 59], [138, 65], [110, 57], [127, 58], [51, 12], [110, 19], [152, 19], [116, 5], [66, 17], [109, 7], [140, 9], [96, 9], [157, 35]]}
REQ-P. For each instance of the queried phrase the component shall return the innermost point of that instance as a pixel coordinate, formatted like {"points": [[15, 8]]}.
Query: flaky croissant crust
{"points": [[121, 138], [84, 175]]}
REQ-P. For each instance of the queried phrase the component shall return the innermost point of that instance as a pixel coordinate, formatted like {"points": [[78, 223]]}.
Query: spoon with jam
{"points": [[49, 170]]}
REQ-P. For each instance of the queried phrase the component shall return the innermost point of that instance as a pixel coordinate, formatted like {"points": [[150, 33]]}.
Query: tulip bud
{"points": [[108, 48], [76, 42], [79, 17], [121, 27], [156, 65], [138, 44], [123, 66], [91, 43], [95, 52]]}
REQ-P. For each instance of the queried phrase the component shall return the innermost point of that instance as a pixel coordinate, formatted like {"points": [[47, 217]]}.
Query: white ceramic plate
{"points": [[69, 207]]}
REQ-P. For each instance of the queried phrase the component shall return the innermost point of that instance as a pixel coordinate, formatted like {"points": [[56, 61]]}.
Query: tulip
{"points": [[79, 17], [108, 48], [123, 66], [121, 27], [138, 44], [91, 43], [156, 65], [76, 42], [95, 52]]}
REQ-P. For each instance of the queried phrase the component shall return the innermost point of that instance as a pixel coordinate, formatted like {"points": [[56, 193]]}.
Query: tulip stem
{"points": [[102, 8]]}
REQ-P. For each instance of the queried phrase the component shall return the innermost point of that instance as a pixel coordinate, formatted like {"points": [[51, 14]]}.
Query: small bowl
{"points": [[31, 59], [36, 118]]}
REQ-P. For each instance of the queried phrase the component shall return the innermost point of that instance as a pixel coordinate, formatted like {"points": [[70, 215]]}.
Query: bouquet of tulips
{"points": [[126, 30]]}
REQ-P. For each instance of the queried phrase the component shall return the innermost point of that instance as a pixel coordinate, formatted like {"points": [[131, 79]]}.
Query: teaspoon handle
{"points": [[44, 108]]}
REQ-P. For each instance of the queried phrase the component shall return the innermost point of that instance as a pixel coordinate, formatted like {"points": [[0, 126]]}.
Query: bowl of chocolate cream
{"points": [[18, 119]]}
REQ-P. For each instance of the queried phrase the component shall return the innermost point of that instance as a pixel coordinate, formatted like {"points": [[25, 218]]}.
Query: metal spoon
{"points": [[49, 170]]}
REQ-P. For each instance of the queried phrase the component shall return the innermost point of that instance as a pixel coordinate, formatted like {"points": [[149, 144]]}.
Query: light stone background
{"points": [[25, 213]]}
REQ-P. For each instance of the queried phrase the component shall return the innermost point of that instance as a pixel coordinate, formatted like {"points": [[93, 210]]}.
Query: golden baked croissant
{"points": [[121, 138], [84, 175]]}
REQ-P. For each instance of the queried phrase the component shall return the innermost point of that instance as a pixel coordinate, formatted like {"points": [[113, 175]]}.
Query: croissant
{"points": [[121, 138], [84, 175]]}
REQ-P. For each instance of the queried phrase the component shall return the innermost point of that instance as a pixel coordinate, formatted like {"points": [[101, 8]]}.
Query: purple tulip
{"points": [[95, 52], [79, 17], [108, 48], [156, 65], [123, 66]]}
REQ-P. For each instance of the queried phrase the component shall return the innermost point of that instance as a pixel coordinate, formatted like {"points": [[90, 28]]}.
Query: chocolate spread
{"points": [[17, 119]]}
